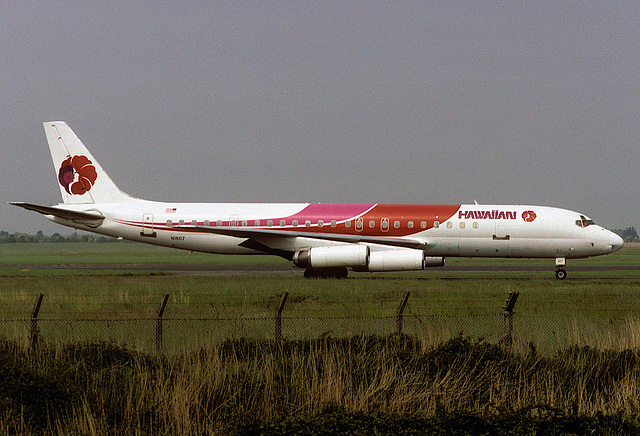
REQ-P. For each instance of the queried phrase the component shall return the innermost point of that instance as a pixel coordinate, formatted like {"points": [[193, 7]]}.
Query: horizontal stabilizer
{"points": [[79, 217]]}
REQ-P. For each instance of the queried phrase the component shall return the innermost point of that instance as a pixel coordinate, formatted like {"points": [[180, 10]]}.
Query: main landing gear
{"points": [[326, 273], [561, 273]]}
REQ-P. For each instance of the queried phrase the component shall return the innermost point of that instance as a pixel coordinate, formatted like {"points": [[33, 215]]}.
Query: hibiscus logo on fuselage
{"points": [[77, 175], [528, 215]]}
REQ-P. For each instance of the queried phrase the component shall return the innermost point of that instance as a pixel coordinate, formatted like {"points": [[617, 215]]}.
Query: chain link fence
{"points": [[168, 335], [546, 333]]}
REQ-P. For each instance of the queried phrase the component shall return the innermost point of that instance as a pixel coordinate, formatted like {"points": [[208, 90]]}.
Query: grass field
{"points": [[98, 293], [590, 308], [362, 384]]}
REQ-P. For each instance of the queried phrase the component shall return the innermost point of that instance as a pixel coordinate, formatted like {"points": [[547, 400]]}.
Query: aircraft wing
{"points": [[261, 234], [79, 217]]}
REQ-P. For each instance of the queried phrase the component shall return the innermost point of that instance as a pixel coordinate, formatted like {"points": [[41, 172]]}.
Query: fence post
{"points": [[279, 310], [163, 304], [33, 337], [403, 303], [509, 304]]}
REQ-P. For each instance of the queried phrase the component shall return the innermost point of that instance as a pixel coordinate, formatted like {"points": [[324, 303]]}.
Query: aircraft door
{"points": [[384, 224], [503, 230], [147, 226], [233, 220]]}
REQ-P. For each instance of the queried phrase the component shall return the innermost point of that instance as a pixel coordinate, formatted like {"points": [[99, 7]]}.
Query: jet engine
{"points": [[331, 257], [360, 258], [400, 260]]}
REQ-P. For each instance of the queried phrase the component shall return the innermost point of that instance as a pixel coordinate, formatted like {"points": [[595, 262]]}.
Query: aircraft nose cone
{"points": [[616, 242]]}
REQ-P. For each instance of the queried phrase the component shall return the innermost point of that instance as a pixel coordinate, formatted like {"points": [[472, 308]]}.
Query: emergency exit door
{"points": [[147, 226]]}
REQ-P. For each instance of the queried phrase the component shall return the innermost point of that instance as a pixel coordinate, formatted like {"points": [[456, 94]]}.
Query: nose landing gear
{"points": [[561, 273]]}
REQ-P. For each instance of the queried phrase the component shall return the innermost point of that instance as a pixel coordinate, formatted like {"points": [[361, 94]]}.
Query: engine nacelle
{"points": [[330, 257], [433, 261], [400, 260]]}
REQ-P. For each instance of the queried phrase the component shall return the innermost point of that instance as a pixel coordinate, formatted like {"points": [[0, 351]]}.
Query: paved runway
{"points": [[260, 269]]}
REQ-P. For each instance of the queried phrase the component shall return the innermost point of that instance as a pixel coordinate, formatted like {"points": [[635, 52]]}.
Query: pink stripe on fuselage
{"points": [[338, 212]]}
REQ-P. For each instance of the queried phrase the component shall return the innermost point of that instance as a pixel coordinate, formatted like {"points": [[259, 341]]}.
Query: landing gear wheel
{"points": [[326, 273], [561, 274]]}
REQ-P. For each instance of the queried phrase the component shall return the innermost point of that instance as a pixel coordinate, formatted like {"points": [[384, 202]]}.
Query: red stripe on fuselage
{"points": [[404, 214]]}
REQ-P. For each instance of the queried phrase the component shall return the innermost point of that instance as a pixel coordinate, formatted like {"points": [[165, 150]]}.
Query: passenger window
{"points": [[449, 225], [269, 223], [384, 224], [282, 223], [347, 224], [307, 223], [372, 224], [410, 224], [257, 223], [206, 223], [169, 223], [475, 225], [181, 222], [462, 224], [396, 224], [219, 223], [333, 223], [436, 224], [233, 223], [295, 223], [423, 224], [320, 223]]}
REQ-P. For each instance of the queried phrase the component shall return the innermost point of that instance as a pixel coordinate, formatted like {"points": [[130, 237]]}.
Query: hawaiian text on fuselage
{"points": [[486, 215]]}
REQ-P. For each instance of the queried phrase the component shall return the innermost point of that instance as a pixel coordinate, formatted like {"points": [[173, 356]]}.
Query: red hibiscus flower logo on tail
{"points": [[77, 175], [528, 215]]}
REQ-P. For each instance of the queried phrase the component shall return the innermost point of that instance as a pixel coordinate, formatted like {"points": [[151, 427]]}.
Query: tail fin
{"points": [[80, 176]]}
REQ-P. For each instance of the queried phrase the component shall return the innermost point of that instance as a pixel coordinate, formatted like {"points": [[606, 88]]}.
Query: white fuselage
{"points": [[470, 231]]}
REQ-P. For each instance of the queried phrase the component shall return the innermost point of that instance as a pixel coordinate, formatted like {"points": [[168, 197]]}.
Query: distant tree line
{"points": [[629, 234], [8, 238]]}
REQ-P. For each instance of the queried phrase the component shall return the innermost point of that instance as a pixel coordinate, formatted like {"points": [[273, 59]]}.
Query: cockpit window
{"points": [[584, 221]]}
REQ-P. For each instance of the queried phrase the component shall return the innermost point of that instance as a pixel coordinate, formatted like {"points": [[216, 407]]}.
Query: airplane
{"points": [[325, 239]]}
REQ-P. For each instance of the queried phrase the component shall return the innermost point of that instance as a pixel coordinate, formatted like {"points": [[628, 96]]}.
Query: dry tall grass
{"points": [[109, 390]]}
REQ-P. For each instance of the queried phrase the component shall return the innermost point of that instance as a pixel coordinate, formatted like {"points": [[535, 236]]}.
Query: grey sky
{"points": [[391, 102]]}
